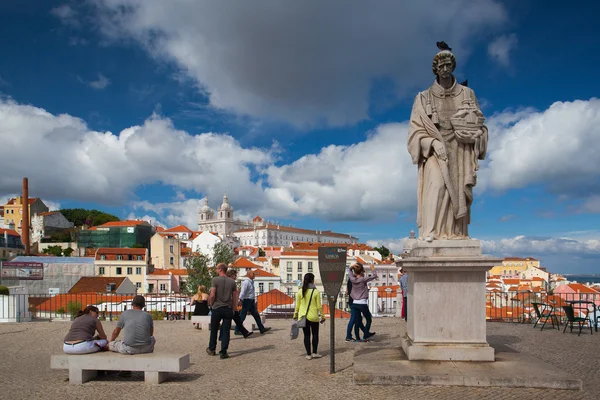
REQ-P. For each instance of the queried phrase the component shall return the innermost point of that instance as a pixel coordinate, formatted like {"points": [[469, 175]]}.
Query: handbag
{"points": [[294, 330], [302, 321]]}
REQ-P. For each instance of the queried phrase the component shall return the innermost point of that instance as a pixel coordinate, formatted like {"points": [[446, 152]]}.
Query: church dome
{"points": [[205, 208], [225, 206]]}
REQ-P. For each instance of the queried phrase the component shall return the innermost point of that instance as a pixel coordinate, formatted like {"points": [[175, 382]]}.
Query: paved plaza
{"points": [[272, 366]]}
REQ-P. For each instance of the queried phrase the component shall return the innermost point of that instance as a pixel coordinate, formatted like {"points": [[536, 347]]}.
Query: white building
{"points": [[46, 223], [268, 234], [221, 221], [205, 243]]}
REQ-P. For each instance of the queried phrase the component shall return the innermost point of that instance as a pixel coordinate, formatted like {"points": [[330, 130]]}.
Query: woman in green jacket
{"points": [[309, 295]]}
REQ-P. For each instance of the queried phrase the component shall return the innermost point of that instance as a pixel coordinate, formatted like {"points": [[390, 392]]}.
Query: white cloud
{"points": [[557, 148], [306, 62], [67, 160], [101, 83], [523, 245], [368, 180], [66, 14], [501, 48], [396, 246]]}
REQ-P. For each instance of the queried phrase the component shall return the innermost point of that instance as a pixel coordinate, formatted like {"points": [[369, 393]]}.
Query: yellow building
{"points": [[123, 262], [514, 266], [13, 211], [166, 251]]}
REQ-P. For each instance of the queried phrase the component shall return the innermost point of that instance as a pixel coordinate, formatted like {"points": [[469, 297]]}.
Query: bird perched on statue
{"points": [[443, 46]]}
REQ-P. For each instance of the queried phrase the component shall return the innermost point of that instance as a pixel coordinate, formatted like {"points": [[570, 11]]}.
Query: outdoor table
{"points": [[587, 303]]}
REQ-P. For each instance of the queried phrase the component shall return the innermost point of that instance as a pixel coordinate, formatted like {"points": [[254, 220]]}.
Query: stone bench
{"points": [[84, 367]]}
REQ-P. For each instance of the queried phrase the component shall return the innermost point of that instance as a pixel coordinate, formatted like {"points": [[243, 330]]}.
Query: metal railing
{"points": [[273, 304], [517, 307]]}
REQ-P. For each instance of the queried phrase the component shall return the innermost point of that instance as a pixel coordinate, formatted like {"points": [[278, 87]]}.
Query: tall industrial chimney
{"points": [[25, 219]]}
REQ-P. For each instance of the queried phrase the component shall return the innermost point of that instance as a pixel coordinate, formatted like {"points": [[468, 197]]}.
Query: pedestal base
{"points": [[446, 301], [446, 351]]}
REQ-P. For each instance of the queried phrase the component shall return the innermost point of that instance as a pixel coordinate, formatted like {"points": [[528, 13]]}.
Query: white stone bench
{"points": [[84, 367]]}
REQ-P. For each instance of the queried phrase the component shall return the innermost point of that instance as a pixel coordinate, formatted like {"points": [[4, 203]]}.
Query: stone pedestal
{"points": [[446, 301]]}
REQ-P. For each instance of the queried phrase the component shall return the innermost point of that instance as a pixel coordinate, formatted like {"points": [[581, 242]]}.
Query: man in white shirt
{"points": [[248, 298]]}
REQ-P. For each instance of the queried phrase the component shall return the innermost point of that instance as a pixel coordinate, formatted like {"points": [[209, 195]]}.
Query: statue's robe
{"points": [[445, 188]]}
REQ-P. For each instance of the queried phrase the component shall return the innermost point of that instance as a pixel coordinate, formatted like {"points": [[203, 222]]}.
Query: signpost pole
{"points": [[332, 335]]}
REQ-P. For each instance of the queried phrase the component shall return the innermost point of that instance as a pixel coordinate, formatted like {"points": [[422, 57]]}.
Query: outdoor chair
{"points": [[545, 312], [571, 318]]}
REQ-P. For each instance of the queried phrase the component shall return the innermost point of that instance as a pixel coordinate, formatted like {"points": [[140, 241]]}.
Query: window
{"points": [[119, 257], [119, 270], [299, 277], [138, 285], [310, 266], [101, 271], [171, 260], [261, 288], [289, 266], [129, 270], [299, 266], [171, 248], [163, 287], [271, 286], [289, 277], [139, 258], [289, 291], [138, 270], [103, 257]]}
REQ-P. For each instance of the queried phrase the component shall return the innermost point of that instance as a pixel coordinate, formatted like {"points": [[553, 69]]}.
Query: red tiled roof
{"points": [[47, 213], [382, 291], [94, 284], [179, 228], [178, 271], [263, 273], [159, 228], [244, 263], [580, 288], [272, 297], [508, 281], [127, 223], [257, 219], [10, 232], [84, 299], [119, 251], [538, 279], [14, 200]]}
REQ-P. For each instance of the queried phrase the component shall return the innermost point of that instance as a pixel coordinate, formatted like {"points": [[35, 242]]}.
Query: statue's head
{"points": [[444, 64]]}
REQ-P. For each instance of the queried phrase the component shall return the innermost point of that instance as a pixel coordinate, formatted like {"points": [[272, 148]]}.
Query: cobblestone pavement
{"points": [[272, 366]]}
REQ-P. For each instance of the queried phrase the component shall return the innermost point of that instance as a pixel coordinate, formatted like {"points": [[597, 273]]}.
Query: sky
{"points": [[299, 111]]}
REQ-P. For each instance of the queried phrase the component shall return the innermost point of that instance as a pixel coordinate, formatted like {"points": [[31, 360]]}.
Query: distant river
{"points": [[584, 278]]}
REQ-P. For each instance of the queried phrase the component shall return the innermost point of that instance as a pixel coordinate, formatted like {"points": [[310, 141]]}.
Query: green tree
{"points": [[4, 291], [222, 253], [54, 250], [199, 273], [68, 251], [261, 252], [73, 308], [384, 251], [80, 216]]}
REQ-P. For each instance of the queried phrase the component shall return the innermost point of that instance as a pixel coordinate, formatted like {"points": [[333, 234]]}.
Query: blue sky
{"points": [[299, 113]]}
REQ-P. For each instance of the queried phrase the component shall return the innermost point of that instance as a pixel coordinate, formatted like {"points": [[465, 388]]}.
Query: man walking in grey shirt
{"points": [[223, 299], [139, 329]]}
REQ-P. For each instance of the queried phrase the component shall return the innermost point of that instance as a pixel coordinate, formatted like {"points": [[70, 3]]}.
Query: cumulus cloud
{"points": [[66, 14], [67, 160], [556, 148], [540, 245], [366, 180], [307, 62], [501, 48]]}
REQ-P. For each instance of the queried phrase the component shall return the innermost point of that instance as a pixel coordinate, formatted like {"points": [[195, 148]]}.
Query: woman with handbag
{"points": [[308, 306]]}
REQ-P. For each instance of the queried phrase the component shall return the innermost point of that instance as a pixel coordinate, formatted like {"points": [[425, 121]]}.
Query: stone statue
{"points": [[446, 138]]}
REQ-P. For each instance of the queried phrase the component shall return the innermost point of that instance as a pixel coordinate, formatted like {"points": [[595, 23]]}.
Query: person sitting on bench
{"points": [[139, 329], [80, 339]]}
